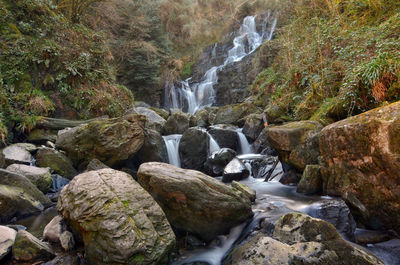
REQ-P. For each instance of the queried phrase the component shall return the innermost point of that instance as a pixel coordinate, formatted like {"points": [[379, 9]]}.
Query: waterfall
{"points": [[172, 143], [245, 147], [192, 97], [213, 144]]}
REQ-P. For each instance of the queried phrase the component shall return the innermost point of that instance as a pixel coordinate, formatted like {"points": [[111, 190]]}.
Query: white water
{"points": [[172, 143], [193, 97], [214, 146], [245, 147]]}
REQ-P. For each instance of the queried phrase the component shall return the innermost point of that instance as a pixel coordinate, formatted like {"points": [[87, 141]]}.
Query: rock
{"points": [[112, 141], [261, 145], [50, 145], [300, 239], [275, 114], [7, 237], [15, 154], [225, 135], [195, 202], [336, 212], [28, 248], [57, 161], [365, 237], [19, 197], [193, 148], [177, 123], [153, 149], [311, 180], [154, 121], [54, 229], [161, 112], [253, 126], [251, 194], [291, 177], [31, 148], [216, 163], [232, 114], [202, 117], [42, 135], [296, 142], [261, 167], [235, 170], [40, 177], [67, 241], [95, 164], [361, 156], [66, 259], [117, 220]]}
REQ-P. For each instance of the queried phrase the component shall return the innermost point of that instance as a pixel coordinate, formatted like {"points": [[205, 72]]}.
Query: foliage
{"points": [[75, 9]]}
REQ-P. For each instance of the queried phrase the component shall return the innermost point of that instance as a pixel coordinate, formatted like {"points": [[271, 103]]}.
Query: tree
{"points": [[75, 9]]}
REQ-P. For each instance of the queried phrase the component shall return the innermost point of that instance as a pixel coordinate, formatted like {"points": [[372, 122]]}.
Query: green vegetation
{"points": [[336, 58]]}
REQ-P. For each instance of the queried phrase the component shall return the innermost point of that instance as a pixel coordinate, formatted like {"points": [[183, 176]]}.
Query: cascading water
{"points": [[172, 143], [192, 97], [213, 144], [245, 147]]}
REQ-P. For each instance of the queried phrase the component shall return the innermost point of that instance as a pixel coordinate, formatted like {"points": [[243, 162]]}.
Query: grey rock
{"points": [[15, 154], [216, 162], [40, 177], [7, 237], [194, 148], [235, 170], [56, 161], [28, 248]]}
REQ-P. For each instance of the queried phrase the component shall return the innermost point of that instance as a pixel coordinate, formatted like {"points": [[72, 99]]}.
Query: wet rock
{"points": [[365, 237], [216, 163], [261, 167], [203, 117], [67, 241], [153, 149], [225, 135], [7, 237], [19, 197], [253, 126], [112, 141], [154, 121], [117, 220], [15, 154], [291, 177], [177, 123], [387, 251], [28, 248], [40, 177], [161, 112], [54, 229], [235, 170], [232, 114], [311, 180], [251, 194], [361, 157], [195, 202], [95, 164], [40, 136], [261, 145], [193, 148], [56, 161]]}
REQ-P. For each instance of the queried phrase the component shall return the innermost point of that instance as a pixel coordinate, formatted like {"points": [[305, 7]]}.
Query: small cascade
{"points": [[214, 146], [192, 97], [245, 147], [58, 183], [172, 143]]}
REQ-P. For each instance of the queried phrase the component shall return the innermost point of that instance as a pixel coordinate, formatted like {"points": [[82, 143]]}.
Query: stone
{"points": [[232, 114], [7, 237], [361, 162], [216, 163], [177, 123], [253, 126], [67, 241], [95, 164], [153, 149], [154, 121], [19, 197], [251, 194], [365, 237], [225, 135], [53, 230], [15, 154], [40, 177], [275, 114], [202, 117], [235, 170], [291, 177], [56, 161], [311, 180], [193, 201], [40, 136], [261, 144], [117, 220], [194, 148], [28, 248]]}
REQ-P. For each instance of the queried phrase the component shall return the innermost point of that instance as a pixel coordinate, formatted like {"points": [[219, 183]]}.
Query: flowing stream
{"points": [[172, 143], [245, 147]]}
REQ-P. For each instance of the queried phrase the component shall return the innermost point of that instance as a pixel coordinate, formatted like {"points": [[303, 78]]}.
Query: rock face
{"points": [[311, 181], [296, 142], [300, 239], [15, 154], [19, 197], [225, 135], [118, 221], [177, 123], [57, 161], [232, 114], [235, 170], [361, 162], [154, 121], [216, 162], [193, 201], [253, 126], [40, 177], [7, 237], [28, 248], [193, 148], [112, 141]]}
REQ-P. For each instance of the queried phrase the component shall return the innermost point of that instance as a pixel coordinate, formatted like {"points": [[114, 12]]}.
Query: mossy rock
{"points": [[56, 161], [40, 177], [311, 181], [232, 114], [28, 248]]}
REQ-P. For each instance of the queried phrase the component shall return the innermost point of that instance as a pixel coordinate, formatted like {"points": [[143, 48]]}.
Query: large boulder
{"points": [[203, 117], [177, 123], [301, 239], [216, 162], [53, 230], [153, 149], [56, 161], [194, 148], [361, 162], [41, 136], [40, 177], [233, 114], [112, 141], [154, 121], [261, 144], [7, 238], [195, 202], [117, 220], [311, 180], [225, 135], [296, 142], [253, 126], [19, 197], [235, 170], [15, 154], [27, 248]]}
